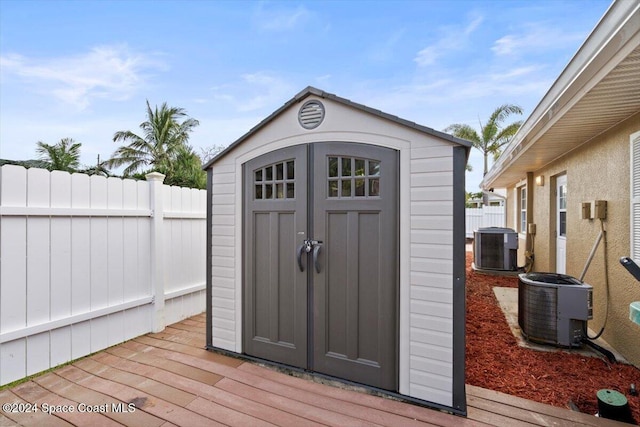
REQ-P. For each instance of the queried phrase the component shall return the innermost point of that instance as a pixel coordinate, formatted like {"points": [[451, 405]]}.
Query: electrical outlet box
{"points": [[531, 228], [600, 209], [586, 210]]}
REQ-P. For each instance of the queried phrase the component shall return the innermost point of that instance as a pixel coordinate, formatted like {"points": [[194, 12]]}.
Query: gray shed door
{"points": [[329, 306]]}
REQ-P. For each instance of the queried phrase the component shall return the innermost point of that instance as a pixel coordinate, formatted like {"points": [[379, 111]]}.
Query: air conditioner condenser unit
{"points": [[554, 308], [495, 248]]}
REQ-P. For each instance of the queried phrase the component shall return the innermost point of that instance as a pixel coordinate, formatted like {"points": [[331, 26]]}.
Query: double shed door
{"points": [[329, 306]]}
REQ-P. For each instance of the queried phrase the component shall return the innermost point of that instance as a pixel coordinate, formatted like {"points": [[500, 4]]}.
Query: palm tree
{"points": [[492, 136], [98, 169], [187, 170], [63, 156], [163, 137]]}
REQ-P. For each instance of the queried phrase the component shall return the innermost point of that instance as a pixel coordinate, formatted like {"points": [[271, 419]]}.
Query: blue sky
{"points": [[84, 69]]}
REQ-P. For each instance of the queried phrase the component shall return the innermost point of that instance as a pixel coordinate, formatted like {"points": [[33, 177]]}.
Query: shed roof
{"points": [[308, 91], [599, 88]]}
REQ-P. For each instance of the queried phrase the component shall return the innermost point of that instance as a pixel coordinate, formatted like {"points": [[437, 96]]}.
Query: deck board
{"points": [[364, 399], [234, 402], [28, 418], [174, 381], [65, 388], [168, 365], [32, 392], [533, 412], [145, 402]]}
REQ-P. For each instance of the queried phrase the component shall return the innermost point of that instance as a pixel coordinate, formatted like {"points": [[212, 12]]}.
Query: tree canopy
{"points": [[493, 136], [63, 156], [161, 147]]}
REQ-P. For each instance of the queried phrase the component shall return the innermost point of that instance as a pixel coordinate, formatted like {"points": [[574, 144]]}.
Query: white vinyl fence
{"points": [[486, 216], [87, 262]]}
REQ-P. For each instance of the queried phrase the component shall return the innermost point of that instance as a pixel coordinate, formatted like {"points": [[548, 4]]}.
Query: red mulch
{"points": [[495, 361]]}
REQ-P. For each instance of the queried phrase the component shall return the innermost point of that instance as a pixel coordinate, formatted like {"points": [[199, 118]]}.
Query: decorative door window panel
{"points": [[562, 210], [276, 181], [350, 177]]}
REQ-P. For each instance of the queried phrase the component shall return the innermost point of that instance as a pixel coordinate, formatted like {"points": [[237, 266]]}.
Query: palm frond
{"points": [[463, 131], [501, 113], [64, 156], [508, 132], [492, 135], [164, 133]]}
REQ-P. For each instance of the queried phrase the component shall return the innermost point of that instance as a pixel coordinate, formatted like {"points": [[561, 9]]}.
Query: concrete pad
{"points": [[508, 302]]}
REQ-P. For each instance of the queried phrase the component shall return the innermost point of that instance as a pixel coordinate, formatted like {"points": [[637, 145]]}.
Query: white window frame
{"points": [[559, 208], [522, 209], [634, 199]]}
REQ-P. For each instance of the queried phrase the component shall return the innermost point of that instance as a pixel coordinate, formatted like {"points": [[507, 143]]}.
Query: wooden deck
{"points": [[170, 380]]}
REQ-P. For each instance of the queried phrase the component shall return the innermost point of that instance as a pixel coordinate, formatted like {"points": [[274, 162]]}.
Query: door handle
{"points": [[301, 248], [307, 246], [316, 252]]}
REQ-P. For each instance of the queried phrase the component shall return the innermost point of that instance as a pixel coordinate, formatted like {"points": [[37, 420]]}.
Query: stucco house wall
{"points": [[598, 170], [582, 130]]}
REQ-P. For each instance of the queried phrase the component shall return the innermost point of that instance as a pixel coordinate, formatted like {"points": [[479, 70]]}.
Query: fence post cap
{"points": [[155, 176]]}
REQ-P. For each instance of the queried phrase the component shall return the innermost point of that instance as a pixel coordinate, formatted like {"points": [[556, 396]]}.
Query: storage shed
{"points": [[336, 245]]}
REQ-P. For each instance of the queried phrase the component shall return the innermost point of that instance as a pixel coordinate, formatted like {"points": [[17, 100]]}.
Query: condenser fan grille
{"points": [[537, 308], [492, 251]]}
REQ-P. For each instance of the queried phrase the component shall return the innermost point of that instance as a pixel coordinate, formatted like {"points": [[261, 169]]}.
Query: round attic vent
{"points": [[311, 114]]}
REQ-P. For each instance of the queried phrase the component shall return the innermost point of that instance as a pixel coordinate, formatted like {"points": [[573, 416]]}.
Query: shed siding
{"points": [[223, 260], [431, 291], [426, 239]]}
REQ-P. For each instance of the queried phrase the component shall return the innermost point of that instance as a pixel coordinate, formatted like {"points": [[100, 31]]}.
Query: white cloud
{"points": [[428, 55], [460, 87], [107, 72], [323, 79], [507, 45], [280, 19], [535, 37], [451, 38], [385, 50], [473, 25], [259, 91], [516, 72], [221, 131]]}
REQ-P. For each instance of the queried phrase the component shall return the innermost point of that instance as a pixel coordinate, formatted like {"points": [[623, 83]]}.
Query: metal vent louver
{"points": [[311, 114]]}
